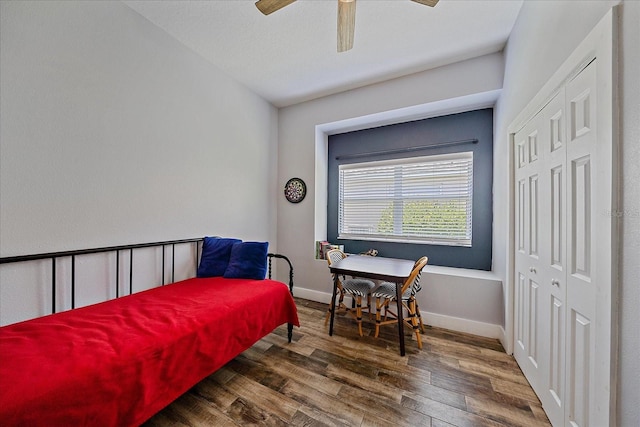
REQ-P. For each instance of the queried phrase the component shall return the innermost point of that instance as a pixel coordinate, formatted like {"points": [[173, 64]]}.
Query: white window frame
{"points": [[368, 191]]}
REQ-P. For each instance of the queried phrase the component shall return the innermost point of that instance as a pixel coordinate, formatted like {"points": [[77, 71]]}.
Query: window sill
{"points": [[461, 272]]}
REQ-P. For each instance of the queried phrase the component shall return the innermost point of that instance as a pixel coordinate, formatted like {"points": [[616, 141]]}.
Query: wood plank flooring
{"points": [[348, 380]]}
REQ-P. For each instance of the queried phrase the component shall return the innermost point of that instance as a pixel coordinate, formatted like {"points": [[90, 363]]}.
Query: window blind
{"points": [[420, 199]]}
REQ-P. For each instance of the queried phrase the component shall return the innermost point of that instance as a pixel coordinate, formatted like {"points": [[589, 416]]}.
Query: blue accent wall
{"points": [[359, 146]]}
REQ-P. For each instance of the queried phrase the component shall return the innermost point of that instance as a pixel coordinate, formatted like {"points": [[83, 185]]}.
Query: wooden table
{"points": [[378, 268]]}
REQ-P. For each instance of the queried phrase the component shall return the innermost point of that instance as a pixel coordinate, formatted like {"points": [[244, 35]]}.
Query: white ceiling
{"points": [[290, 56]]}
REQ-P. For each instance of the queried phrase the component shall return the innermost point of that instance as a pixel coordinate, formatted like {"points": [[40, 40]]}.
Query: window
{"points": [[417, 200], [458, 233]]}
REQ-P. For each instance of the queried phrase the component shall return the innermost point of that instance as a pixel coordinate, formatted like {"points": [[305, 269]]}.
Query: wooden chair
{"points": [[386, 293], [356, 288]]}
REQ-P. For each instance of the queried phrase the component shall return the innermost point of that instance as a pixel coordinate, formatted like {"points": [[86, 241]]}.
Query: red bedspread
{"points": [[119, 362]]}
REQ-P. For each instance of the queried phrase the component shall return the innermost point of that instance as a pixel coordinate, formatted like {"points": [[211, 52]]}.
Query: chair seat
{"points": [[360, 287], [388, 290], [356, 287]]}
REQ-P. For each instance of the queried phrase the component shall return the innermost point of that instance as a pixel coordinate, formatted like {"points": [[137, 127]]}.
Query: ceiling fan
{"points": [[346, 17]]}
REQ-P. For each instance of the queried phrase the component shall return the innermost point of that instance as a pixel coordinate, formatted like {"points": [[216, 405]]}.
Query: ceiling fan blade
{"points": [[346, 24], [269, 6], [427, 2]]}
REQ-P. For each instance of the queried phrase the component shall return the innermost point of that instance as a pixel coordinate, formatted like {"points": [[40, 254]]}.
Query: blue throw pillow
{"points": [[248, 261], [215, 256]]}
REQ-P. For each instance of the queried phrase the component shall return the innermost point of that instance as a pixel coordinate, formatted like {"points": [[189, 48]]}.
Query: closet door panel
{"points": [[553, 258], [579, 367], [528, 295], [581, 286]]}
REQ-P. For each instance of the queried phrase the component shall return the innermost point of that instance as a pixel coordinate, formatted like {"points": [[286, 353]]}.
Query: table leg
{"points": [[400, 318], [333, 302]]}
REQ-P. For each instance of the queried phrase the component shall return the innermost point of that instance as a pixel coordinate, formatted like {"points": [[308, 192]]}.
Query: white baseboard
{"points": [[458, 324], [503, 341], [312, 295]]}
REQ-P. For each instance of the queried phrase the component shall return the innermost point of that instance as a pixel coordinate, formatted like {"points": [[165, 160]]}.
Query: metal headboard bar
{"points": [[73, 281], [118, 273], [130, 272], [21, 258], [53, 256], [53, 285], [173, 262], [270, 255], [163, 270]]}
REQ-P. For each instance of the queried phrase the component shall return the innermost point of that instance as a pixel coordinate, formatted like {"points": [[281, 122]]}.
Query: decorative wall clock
{"points": [[294, 190]]}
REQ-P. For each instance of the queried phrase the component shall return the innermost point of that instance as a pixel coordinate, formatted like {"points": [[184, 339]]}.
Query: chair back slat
{"points": [[335, 255], [413, 281]]}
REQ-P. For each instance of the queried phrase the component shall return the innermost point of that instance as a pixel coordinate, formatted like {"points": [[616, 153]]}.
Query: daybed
{"points": [[118, 362]]}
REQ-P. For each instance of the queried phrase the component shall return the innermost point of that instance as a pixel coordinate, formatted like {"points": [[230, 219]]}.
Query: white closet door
{"points": [[557, 324], [564, 256], [582, 279], [553, 261], [541, 254], [527, 259]]}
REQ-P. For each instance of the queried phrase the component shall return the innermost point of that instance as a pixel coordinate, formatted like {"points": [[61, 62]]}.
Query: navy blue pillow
{"points": [[215, 256], [248, 261]]}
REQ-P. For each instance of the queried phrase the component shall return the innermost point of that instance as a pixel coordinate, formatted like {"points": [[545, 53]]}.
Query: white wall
{"points": [[543, 36], [300, 153], [113, 132]]}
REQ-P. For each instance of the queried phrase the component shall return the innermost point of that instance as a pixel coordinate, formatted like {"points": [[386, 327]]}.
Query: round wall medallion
{"points": [[294, 190]]}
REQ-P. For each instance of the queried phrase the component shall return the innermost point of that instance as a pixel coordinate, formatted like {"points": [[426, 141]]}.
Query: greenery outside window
{"points": [[417, 200]]}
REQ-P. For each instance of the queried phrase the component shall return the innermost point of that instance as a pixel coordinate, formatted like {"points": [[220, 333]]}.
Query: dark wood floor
{"points": [[348, 380]]}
